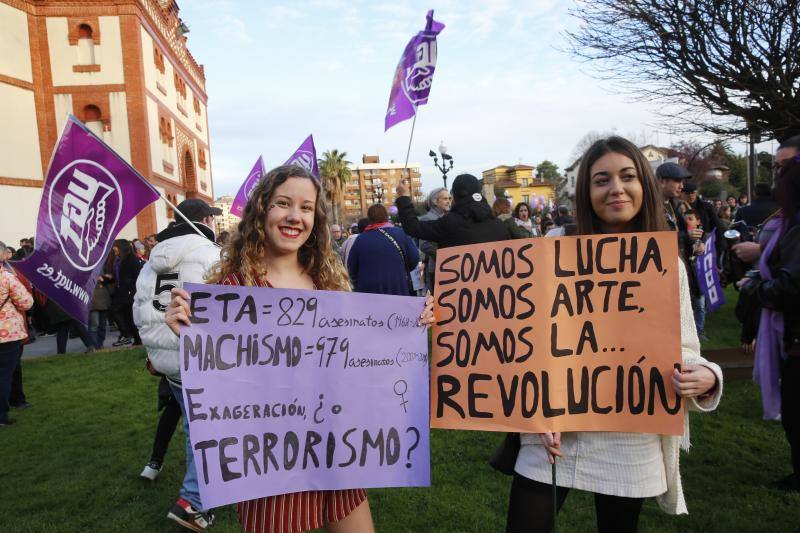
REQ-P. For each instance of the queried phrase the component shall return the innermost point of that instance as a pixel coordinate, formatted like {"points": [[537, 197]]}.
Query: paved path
{"points": [[47, 346]]}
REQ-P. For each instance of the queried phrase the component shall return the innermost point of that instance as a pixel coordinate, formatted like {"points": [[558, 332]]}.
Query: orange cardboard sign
{"points": [[558, 334]]}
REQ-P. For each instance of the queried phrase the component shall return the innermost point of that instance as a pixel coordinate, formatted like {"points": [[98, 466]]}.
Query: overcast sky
{"points": [[503, 92]]}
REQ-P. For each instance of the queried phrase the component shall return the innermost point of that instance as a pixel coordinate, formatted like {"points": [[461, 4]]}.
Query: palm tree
{"points": [[334, 174]]}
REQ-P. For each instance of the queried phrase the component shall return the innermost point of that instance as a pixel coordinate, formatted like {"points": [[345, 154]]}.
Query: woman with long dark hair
{"points": [[284, 241], [616, 192], [126, 269], [776, 288]]}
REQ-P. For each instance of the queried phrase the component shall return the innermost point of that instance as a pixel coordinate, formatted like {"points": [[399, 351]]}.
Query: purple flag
{"points": [[707, 276], [306, 156], [237, 208], [88, 197], [294, 390], [414, 74]]}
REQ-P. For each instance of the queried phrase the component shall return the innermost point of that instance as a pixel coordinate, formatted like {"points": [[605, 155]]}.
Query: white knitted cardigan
{"points": [[672, 501]]}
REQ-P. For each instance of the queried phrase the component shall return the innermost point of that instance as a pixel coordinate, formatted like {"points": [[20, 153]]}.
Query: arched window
{"points": [[93, 119], [85, 45]]}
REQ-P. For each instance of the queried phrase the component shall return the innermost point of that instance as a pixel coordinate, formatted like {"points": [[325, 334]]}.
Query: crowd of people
{"points": [[285, 240]]}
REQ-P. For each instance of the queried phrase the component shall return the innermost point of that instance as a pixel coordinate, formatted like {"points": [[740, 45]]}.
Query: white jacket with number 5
{"points": [[181, 256]]}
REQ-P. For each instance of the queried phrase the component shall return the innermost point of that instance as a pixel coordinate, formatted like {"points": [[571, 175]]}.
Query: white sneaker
{"points": [[151, 470]]}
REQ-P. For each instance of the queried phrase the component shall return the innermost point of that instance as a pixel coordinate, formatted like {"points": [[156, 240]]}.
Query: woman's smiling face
{"points": [[615, 191], [290, 215]]}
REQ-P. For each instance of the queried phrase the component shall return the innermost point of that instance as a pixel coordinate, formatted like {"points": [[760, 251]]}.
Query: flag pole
{"points": [[178, 212], [408, 153]]}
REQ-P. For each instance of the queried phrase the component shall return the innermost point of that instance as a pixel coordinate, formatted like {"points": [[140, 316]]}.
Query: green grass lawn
{"points": [[722, 328], [71, 464]]}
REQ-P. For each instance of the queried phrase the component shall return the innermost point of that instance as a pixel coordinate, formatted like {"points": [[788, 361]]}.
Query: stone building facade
{"points": [[124, 69]]}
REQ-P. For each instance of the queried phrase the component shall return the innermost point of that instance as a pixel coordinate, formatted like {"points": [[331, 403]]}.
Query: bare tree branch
{"points": [[726, 66]]}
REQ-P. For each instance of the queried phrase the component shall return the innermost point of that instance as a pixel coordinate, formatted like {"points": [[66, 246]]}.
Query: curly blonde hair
{"points": [[247, 248]]}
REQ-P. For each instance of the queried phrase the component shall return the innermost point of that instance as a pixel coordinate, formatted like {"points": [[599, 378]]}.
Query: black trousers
{"points": [[790, 408], [166, 428], [17, 396], [530, 509]]}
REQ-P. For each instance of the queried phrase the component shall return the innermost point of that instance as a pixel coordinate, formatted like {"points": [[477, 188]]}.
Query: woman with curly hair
{"points": [[283, 241]]}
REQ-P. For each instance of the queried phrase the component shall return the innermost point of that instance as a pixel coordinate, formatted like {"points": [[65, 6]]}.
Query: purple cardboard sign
{"points": [[290, 390], [89, 195], [255, 175], [413, 76]]}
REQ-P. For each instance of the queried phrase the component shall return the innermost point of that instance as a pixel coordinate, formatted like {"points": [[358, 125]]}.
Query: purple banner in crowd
{"points": [[237, 207], [708, 277], [88, 197], [306, 156], [291, 390], [414, 74]]}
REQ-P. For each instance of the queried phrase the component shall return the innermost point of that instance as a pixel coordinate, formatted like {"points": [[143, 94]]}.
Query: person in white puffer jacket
{"points": [[181, 256]]}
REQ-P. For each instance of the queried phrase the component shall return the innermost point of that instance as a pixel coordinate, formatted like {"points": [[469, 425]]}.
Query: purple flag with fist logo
{"points": [[90, 194], [255, 175], [414, 75], [306, 156]]}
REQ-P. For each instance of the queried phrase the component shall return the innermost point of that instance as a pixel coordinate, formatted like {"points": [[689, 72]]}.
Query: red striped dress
{"points": [[299, 511]]}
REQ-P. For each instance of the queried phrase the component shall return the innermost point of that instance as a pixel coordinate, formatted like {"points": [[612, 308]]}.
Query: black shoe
{"points": [[122, 341], [23, 405], [187, 516], [6, 423]]}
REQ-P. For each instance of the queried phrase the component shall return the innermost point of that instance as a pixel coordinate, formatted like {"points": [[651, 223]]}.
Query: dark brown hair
{"points": [[377, 213], [651, 216], [787, 191], [501, 206], [520, 206]]}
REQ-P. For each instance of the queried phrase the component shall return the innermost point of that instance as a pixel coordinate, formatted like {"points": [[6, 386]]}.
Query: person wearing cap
{"points": [[469, 221], [185, 253], [671, 178]]}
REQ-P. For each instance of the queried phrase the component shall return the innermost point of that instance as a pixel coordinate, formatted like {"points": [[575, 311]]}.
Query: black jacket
{"points": [[782, 292], [452, 229], [756, 213]]}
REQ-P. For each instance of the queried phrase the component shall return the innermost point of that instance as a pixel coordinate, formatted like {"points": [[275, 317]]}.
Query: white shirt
{"points": [[632, 465]]}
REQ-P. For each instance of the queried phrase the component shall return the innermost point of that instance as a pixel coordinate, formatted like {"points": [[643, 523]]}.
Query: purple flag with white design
{"points": [[90, 194], [708, 277], [306, 156], [414, 74], [255, 175]]}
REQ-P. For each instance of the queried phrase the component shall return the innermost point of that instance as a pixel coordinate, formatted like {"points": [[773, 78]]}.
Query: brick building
{"points": [[226, 221], [124, 69], [373, 182]]}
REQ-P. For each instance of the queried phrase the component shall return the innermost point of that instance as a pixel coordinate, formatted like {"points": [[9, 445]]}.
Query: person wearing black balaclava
{"points": [[469, 221]]}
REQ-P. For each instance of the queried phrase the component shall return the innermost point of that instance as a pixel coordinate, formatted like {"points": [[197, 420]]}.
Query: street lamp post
{"points": [[377, 190], [446, 158]]}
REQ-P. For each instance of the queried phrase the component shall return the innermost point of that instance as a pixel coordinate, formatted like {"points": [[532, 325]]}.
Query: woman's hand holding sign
{"points": [[178, 311], [693, 380], [551, 441], [427, 319]]}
